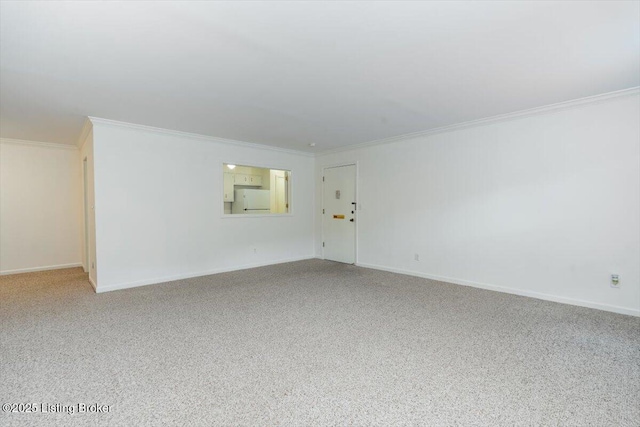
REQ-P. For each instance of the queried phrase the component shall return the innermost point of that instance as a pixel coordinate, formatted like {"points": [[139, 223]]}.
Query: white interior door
{"points": [[338, 220], [85, 184]]}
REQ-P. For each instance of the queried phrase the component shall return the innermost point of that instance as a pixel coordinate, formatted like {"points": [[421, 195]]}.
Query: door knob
{"points": [[351, 220]]}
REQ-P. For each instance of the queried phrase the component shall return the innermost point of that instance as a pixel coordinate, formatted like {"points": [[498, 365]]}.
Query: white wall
{"points": [[40, 200], [159, 209], [546, 205]]}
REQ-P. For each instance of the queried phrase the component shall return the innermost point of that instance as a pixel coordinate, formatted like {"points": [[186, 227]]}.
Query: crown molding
{"points": [[86, 128], [547, 109], [38, 144], [195, 136]]}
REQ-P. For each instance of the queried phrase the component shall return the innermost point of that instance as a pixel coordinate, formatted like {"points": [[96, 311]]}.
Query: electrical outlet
{"points": [[416, 257], [615, 281]]}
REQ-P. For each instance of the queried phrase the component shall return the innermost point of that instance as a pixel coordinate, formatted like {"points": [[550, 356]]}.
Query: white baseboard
{"points": [[34, 269], [531, 294], [164, 279], [95, 288]]}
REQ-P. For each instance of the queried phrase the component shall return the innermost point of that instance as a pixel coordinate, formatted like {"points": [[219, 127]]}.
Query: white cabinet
{"points": [[245, 179], [255, 180], [228, 187], [242, 179]]}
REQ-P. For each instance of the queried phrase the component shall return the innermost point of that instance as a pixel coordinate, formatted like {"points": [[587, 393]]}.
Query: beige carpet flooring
{"points": [[310, 343]]}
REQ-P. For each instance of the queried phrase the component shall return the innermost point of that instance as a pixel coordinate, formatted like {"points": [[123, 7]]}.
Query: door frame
{"points": [[357, 210]]}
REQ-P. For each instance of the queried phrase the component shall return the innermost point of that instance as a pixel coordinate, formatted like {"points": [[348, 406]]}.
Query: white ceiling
{"points": [[289, 74]]}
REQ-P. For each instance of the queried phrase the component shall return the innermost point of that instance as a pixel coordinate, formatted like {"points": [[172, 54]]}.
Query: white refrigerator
{"points": [[249, 201]]}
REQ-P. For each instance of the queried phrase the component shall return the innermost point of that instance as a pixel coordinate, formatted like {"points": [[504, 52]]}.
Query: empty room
{"points": [[317, 213]]}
